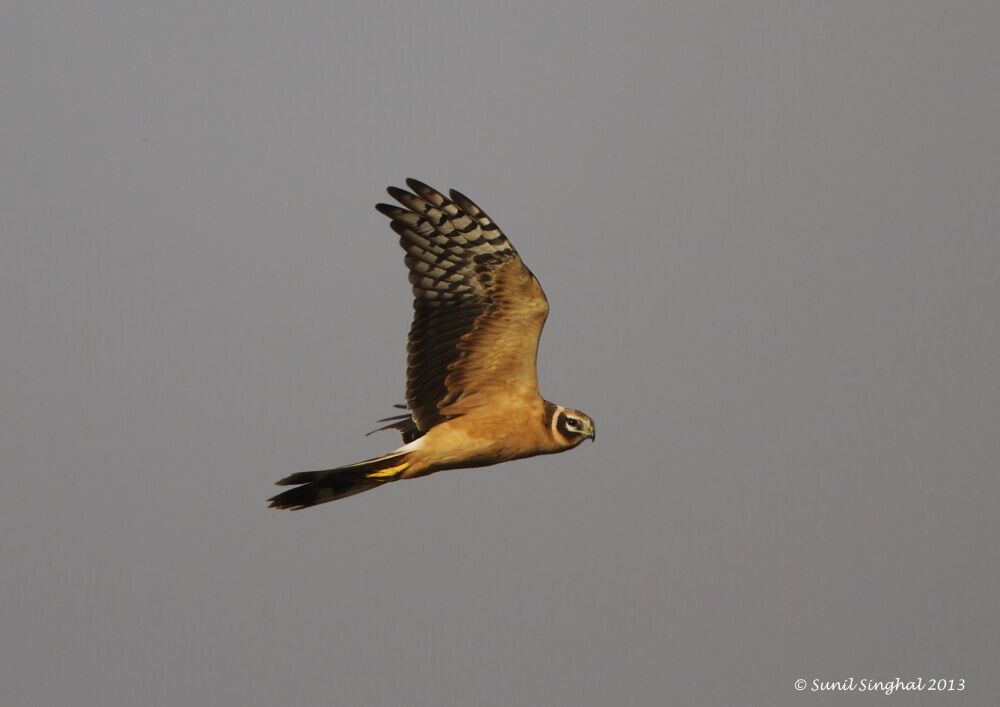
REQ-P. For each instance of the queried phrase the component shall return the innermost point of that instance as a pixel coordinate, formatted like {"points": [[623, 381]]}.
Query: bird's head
{"points": [[569, 427]]}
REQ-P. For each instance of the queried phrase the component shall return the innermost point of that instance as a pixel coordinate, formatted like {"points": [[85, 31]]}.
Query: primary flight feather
{"points": [[471, 385]]}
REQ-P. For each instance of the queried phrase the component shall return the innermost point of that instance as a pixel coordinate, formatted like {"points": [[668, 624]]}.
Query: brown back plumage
{"points": [[478, 310]]}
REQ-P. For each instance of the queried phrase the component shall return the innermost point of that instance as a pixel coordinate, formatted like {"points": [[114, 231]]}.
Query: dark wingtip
{"points": [[399, 227], [398, 194], [417, 186], [466, 204]]}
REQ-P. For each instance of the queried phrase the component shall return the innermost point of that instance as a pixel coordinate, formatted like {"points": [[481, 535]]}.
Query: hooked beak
{"points": [[593, 435]]}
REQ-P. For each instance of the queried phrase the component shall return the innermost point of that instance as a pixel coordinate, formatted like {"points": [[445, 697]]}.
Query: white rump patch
{"points": [[415, 444]]}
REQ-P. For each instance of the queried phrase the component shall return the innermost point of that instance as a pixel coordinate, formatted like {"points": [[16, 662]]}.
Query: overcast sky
{"points": [[770, 237]]}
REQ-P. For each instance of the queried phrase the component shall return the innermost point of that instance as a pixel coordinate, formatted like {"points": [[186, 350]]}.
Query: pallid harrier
{"points": [[471, 388]]}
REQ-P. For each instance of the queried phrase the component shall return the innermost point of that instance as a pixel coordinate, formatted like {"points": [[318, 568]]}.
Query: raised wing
{"points": [[478, 311]]}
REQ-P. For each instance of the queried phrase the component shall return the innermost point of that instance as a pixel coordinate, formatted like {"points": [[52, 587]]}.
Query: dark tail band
{"points": [[315, 487]]}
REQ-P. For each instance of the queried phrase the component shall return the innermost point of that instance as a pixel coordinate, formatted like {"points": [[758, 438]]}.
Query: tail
{"points": [[315, 487]]}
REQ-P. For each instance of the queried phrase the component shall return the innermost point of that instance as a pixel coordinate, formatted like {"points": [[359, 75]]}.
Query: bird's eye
{"points": [[572, 423]]}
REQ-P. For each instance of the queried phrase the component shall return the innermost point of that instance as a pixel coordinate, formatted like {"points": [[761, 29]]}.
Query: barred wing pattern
{"points": [[478, 310]]}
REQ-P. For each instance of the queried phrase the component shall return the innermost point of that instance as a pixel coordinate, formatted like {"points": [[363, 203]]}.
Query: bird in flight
{"points": [[471, 386]]}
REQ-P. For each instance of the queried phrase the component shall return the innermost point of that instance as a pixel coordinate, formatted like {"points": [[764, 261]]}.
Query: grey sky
{"points": [[770, 236]]}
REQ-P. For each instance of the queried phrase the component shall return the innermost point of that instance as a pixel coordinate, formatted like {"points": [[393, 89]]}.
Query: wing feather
{"points": [[478, 310]]}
